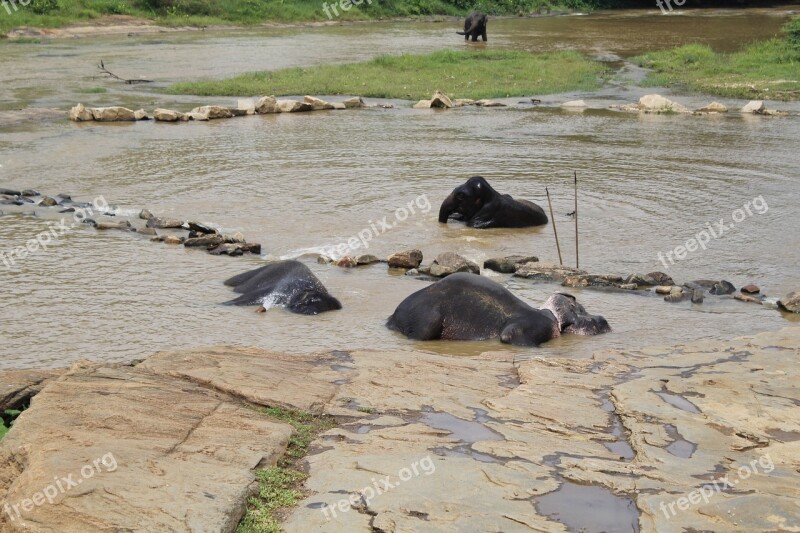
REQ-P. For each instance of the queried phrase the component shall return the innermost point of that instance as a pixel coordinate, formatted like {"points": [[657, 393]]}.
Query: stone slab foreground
{"points": [[698, 437]]}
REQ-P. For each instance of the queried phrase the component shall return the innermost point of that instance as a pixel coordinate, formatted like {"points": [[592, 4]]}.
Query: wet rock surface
{"points": [[496, 442], [449, 263], [405, 259], [509, 264]]}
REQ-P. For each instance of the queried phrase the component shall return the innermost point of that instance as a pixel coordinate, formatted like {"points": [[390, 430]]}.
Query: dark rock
{"points": [[750, 289], [208, 241], [163, 223], [201, 228], [697, 296], [650, 280], [723, 287], [29, 192], [64, 196], [67, 210], [510, 264], [144, 214], [406, 259], [252, 247], [10, 192], [48, 202], [450, 263], [230, 249], [660, 278], [366, 259], [147, 231], [345, 262]]}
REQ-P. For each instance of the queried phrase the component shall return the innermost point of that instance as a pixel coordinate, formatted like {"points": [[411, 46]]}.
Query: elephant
{"points": [[466, 306], [287, 283], [475, 25], [480, 206]]}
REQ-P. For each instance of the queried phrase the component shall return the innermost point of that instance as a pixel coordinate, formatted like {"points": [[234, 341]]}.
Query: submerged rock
{"points": [[164, 223], [124, 225], [406, 259], [509, 264], [354, 102], [489, 103], [575, 104], [449, 263], [713, 107]]}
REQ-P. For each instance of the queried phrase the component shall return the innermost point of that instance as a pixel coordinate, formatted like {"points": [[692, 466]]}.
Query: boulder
{"points": [[406, 259], [345, 262], [113, 114], [147, 231], [440, 99], [141, 114], [19, 386], [124, 225], [211, 112], [450, 263], [509, 264], [207, 241], [790, 302], [79, 113], [201, 228], [354, 102], [230, 249], [546, 272], [754, 106], [202, 117], [575, 104], [489, 103], [172, 239], [144, 214], [722, 287], [293, 106], [713, 107], [750, 289], [422, 104], [266, 105], [163, 223], [48, 202], [655, 103], [168, 115], [317, 103]]}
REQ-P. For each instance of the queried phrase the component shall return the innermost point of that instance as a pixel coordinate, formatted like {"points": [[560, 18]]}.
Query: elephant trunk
{"points": [[447, 209], [471, 29]]}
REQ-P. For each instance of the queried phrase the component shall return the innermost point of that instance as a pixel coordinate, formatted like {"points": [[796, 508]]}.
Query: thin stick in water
{"points": [[553, 220], [577, 260]]}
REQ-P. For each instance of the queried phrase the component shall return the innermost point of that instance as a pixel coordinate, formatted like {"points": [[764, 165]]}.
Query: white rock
{"points": [[754, 106], [266, 105], [112, 114], [659, 104], [713, 107], [247, 105], [212, 112], [141, 114], [317, 103], [574, 103], [79, 113]]}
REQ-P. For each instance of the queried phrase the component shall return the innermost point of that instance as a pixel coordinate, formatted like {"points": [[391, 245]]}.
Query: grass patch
{"points": [[93, 90], [280, 486], [7, 420], [460, 74], [765, 69]]}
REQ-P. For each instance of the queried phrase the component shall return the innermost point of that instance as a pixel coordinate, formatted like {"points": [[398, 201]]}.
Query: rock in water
{"points": [[754, 106], [791, 302], [406, 259], [79, 113], [441, 100], [113, 114], [658, 104], [211, 112], [163, 223], [266, 105], [547, 272], [317, 103], [750, 289], [450, 263], [509, 264], [722, 287], [354, 102], [713, 107]]}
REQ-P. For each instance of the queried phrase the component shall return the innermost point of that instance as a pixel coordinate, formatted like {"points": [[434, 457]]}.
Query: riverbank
{"points": [[691, 445], [473, 74], [765, 69]]}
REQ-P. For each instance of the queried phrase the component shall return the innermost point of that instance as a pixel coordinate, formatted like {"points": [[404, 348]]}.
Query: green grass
{"points": [[280, 486], [93, 90], [57, 13], [7, 418], [459, 74], [766, 69]]}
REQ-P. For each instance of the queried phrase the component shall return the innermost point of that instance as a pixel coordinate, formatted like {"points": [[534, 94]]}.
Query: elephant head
{"points": [[467, 199], [573, 318]]}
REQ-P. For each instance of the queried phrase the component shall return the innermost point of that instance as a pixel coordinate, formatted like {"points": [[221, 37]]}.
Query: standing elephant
{"points": [[480, 206], [475, 25]]}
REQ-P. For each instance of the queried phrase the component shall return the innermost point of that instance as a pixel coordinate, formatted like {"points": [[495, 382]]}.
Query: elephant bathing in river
{"points": [[287, 283], [475, 25], [480, 206], [467, 306]]}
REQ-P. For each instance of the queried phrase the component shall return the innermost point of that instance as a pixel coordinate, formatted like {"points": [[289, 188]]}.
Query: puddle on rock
{"points": [[679, 447], [589, 508], [463, 430], [784, 436], [621, 447], [676, 400]]}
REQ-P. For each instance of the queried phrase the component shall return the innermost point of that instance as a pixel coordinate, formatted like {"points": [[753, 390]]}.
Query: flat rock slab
{"points": [[145, 453], [17, 386], [256, 375]]}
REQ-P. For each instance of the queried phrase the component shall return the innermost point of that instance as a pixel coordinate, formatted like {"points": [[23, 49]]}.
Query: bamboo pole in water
{"points": [[577, 260], [555, 232]]}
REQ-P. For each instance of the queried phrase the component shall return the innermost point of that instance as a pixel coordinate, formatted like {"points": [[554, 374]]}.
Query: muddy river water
{"points": [[296, 183]]}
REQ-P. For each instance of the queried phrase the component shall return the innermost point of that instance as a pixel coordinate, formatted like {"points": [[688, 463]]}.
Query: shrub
{"points": [[792, 29], [42, 7]]}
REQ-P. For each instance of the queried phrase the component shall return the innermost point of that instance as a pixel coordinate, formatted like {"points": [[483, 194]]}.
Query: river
{"points": [[296, 183]]}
